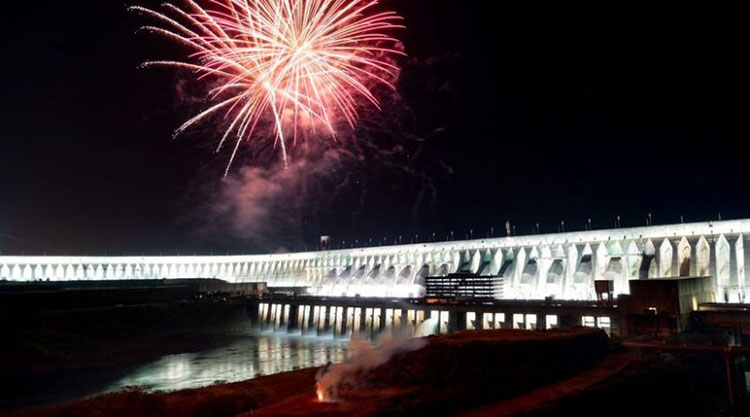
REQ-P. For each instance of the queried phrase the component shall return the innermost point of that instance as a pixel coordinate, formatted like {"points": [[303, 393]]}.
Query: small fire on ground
{"points": [[320, 392]]}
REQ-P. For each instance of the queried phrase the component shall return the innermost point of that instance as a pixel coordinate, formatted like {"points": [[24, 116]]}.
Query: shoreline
{"points": [[385, 389]]}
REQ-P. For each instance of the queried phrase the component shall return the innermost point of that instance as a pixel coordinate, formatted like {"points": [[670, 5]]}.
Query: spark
{"points": [[295, 64]]}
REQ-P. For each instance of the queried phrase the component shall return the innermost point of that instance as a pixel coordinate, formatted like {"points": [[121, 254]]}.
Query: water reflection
{"points": [[244, 358]]}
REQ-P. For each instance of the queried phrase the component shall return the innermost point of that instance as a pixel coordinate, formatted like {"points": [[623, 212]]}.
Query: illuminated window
{"points": [[531, 322], [471, 318], [499, 320]]}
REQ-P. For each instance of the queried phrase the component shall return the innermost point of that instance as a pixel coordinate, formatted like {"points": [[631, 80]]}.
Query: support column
{"points": [[362, 320], [541, 321], [382, 320], [404, 320], [456, 321], [312, 322], [293, 322], [345, 324], [253, 312], [271, 317], [279, 317], [322, 320]]}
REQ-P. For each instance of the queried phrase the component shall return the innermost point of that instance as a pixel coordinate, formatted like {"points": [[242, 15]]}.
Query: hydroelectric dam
{"points": [[561, 265], [543, 280]]}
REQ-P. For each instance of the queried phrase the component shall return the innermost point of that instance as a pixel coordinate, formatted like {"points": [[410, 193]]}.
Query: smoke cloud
{"points": [[365, 357], [384, 168]]}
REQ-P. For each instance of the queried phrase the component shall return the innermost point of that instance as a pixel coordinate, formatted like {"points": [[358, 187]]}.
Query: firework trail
{"points": [[297, 64]]}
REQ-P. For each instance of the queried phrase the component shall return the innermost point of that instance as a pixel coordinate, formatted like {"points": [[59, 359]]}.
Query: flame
{"points": [[320, 393]]}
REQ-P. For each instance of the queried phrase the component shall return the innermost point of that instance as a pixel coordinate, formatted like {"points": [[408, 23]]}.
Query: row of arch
{"points": [[560, 270]]}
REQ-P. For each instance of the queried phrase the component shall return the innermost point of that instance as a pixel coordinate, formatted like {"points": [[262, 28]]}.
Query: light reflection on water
{"points": [[243, 358]]}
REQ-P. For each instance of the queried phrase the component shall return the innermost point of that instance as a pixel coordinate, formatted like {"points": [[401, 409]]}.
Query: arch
{"points": [[555, 278], [722, 265], [683, 258], [649, 263], [584, 270], [421, 275], [346, 272], [601, 260], [633, 260], [356, 280], [17, 273], [405, 273], [665, 258], [529, 279], [507, 267], [615, 272], [69, 272], [614, 249], [403, 281]]}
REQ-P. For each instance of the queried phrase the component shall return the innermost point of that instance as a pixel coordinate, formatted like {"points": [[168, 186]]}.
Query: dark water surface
{"points": [[243, 356]]}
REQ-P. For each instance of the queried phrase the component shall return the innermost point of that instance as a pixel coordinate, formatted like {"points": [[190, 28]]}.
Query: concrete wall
{"points": [[563, 265]]}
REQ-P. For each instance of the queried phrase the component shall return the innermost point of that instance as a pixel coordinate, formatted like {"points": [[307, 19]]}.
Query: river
{"points": [[241, 357]]}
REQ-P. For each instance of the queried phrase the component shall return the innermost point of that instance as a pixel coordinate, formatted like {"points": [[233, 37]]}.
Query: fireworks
{"points": [[297, 64]]}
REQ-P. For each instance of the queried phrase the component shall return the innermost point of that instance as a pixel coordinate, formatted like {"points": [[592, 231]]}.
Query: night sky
{"points": [[522, 111]]}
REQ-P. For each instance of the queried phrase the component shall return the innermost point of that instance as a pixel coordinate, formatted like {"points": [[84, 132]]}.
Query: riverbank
{"points": [[445, 376], [64, 340], [38, 342], [468, 374]]}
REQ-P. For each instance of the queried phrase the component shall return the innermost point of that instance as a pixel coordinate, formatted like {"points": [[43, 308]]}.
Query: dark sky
{"points": [[528, 111]]}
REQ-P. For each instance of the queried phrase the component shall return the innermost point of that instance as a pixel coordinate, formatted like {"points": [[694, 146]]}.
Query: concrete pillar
{"points": [[271, 316], [279, 317], [346, 321], [322, 320], [362, 320], [541, 321], [254, 312], [293, 321], [456, 321], [332, 316], [330, 319], [267, 312], [286, 313], [310, 323], [369, 321], [419, 317]]}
